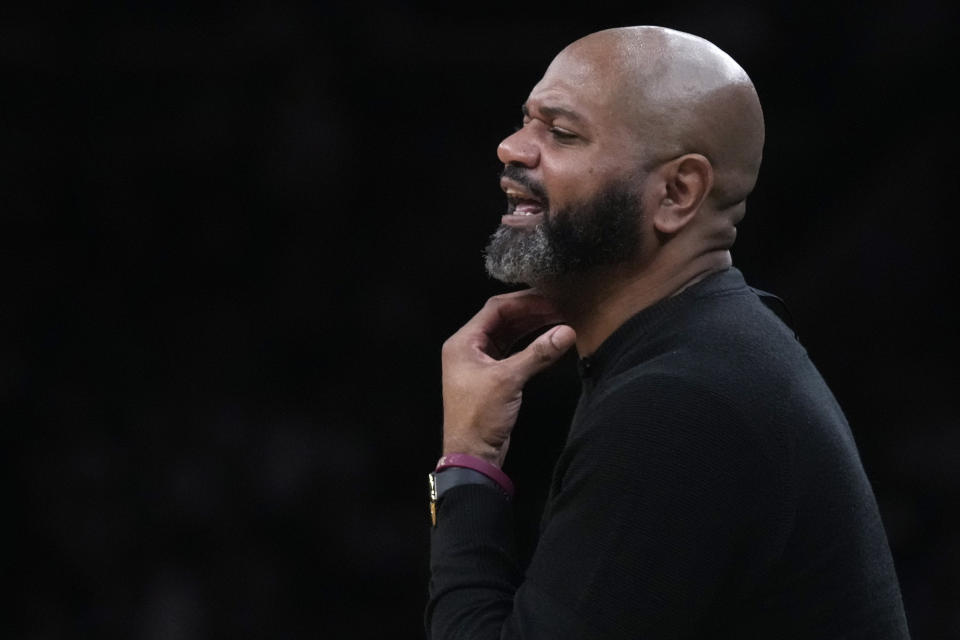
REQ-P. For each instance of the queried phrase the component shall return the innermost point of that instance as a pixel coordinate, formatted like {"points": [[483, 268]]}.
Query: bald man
{"points": [[710, 486]]}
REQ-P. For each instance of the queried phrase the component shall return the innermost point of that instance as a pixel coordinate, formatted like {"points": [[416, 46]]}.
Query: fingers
{"points": [[543, 352], [482, 393], [506, 318]]}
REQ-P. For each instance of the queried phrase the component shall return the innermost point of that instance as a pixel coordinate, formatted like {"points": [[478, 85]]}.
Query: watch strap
{"points": [[442, 481], [477, 464]]}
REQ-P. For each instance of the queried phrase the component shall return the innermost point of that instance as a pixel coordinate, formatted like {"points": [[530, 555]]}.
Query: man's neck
{"points": [[595, 304]]}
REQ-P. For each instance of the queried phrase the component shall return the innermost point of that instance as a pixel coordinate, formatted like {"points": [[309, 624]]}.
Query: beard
{"points": [[602, 231]]}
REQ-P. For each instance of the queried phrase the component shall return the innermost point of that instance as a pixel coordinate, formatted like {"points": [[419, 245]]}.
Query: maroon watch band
{"points": [[477, 464]]}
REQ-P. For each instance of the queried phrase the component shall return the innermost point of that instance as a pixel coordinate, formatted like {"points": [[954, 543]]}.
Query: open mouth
{"points": [[523, 208]]}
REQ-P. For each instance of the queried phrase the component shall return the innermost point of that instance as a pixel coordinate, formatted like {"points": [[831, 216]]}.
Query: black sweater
{"points": [[709, 488]]}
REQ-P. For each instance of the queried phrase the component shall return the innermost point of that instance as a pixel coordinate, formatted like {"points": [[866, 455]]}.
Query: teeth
{"points": [[520, 196]]}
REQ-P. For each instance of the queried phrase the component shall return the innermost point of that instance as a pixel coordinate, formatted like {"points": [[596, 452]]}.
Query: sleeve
{"points": [[654, 500]]}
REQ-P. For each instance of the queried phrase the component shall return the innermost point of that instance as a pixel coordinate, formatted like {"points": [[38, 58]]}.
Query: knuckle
{"points": [[495, 301], [542, 351], [505, 377], [499, 375], [449, 347]]}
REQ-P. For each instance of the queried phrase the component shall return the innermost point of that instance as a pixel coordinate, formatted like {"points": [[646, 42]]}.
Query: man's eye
{"points": [[562, 134]]}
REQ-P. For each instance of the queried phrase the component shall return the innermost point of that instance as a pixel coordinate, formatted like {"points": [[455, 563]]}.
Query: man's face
{"points": [[572, 180]]}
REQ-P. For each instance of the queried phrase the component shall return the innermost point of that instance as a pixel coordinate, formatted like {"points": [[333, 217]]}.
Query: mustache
{"points": [[521, 177]]}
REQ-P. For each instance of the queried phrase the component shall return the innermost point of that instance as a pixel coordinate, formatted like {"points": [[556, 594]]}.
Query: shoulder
{"points": [[678, 423]]}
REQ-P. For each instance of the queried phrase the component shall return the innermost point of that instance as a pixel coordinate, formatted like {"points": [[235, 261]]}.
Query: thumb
{"points": [[545, 350]]}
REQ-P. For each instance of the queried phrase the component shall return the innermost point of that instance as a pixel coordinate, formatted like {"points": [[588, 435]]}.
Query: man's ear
{"points": [[686, 182]]}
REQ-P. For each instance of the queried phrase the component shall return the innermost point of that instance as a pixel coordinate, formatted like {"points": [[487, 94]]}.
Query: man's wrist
{"points": [[474, 447], [446, 478], [467, 461]]}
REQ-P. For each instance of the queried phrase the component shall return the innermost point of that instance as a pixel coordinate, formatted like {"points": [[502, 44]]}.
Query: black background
{"points": [[234, 240]]}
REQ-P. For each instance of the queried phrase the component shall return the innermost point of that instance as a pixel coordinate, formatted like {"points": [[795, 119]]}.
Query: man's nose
{"points": [[519, 149]]}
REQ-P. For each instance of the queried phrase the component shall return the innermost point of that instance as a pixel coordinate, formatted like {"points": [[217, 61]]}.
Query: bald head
{"points": [[679, 94]]}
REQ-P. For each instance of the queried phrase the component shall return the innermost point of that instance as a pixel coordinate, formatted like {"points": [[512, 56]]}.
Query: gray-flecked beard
{"points": [[602, 231]]}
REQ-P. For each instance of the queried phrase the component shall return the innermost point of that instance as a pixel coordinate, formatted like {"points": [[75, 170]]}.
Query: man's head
{"points": [[635, 139]]}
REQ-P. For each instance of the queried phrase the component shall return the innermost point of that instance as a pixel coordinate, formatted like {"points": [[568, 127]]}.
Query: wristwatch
{"points": [[441, 481]]}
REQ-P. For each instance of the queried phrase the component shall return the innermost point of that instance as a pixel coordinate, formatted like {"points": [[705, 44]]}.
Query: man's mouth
{"points": [[524, 209]]}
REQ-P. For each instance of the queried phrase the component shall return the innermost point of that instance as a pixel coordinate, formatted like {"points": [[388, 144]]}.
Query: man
{"points": [[709, 486]]}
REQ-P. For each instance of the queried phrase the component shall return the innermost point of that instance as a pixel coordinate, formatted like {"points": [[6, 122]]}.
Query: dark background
{"points": [[234, 241]]}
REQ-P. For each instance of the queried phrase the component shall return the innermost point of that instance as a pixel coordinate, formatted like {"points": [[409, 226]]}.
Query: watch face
{"points": [[432, 483]]}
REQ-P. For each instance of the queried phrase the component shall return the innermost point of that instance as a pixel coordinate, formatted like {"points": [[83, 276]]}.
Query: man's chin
{"points": [[519, 256]]}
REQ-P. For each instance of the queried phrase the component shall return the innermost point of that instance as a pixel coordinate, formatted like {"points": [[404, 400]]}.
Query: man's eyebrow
{"points": [[553, 112]]}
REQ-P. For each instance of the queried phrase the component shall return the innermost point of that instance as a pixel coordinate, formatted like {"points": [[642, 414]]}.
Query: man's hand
{"points": [[482, 389]]}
